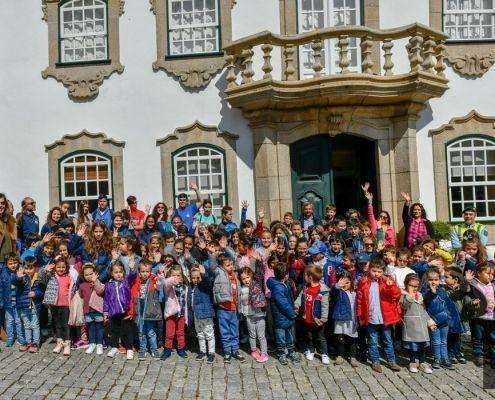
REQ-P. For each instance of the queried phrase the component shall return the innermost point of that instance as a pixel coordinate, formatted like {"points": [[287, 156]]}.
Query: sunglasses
{"points": [[368, 244]]}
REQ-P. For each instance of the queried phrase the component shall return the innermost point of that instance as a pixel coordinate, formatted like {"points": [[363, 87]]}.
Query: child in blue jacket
{"points": [[283, 312]]}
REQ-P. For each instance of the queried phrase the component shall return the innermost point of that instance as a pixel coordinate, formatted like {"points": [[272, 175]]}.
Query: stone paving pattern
{"points": [[49, 376]]}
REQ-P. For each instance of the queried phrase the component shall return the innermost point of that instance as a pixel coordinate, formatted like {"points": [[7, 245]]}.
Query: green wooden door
{"points": [[311, 173]]}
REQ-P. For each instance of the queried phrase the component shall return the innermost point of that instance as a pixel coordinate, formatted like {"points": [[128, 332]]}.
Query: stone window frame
{"points": [[86, 142], [471, 59], [471, 125], [193, 71], [82, 79], [370, 17], [198, 134]]}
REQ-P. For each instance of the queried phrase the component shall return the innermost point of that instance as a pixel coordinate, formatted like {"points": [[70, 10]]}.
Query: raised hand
{"points": [[49, 267], [245, 204], [170, 212], [31, 294], [261, 214], [406, 196], [157, 257], [19, 273], [81, 230], [469, 275], [202, 269], [369, 196], [366, 187], [147, 208], [193, 186], [115, 254], [47, 238]]}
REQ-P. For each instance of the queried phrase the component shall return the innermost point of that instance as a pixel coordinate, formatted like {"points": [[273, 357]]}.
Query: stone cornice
{"points": [[473, 115], [84, 133], [199, 126]]}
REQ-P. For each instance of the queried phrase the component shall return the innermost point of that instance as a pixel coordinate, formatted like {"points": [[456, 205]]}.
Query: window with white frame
{"points": [[317, 14], [83, 31], [193, 27], [85, 176], [204, 166], [471, 177], [469, 19]]}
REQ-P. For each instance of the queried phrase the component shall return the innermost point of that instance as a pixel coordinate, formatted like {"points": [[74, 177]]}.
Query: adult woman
{"points": [[416, 224], [160, 212], [8, 230], [82, 216], [381, 229], [52, 220]]}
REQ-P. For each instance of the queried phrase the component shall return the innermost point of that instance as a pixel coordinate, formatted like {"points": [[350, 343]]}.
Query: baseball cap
{"points": [[317, 248], [469, 208], [362, 258]]}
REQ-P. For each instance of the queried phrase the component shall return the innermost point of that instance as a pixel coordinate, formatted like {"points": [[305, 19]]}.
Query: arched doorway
{"points": [[329, 170]]}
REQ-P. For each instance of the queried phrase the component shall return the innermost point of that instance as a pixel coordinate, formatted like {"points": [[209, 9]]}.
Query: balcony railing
{"points": [[425, 50]]}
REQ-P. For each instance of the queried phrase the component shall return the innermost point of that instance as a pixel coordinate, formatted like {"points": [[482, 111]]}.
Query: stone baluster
{"points": [[344, 60], [387, 55], [429, 51], [414, 50], [290, 69], [440, 55], [247, 66], [231, 75], [366, 47], [317, 45], [267, 65]]}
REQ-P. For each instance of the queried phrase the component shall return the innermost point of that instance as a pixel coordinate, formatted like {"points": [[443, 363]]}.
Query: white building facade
{"points": [[144, 97]]}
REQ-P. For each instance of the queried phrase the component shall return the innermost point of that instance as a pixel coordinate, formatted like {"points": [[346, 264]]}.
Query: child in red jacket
{"points": [[378, 309]]}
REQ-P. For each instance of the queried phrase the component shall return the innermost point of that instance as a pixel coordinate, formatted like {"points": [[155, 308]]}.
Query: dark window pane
{"points": [[92, 189], [491, 209], [490, 174], [478, 143], [93, 205], [216, 166], [466, 143], [467, 158], [479, 157], [80, 159], [455, 193], [481, 209], [456, 210], [69, 189], [479, 192], [103, 186], [72, 207], [468, 193], [491, 192], [81, 189], [490, 157], [91, 158]]}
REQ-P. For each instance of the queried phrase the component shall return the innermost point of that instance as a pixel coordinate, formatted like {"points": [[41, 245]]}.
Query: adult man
{"points": [[187, 210], [27, 221], [103, 212], [308, 218], [458, 232]]}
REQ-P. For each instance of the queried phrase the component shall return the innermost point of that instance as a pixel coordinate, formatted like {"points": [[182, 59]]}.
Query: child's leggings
{"points": [[175, 327], [122, 329], [343, 342], [420, 354], [256, 328], [205, 330], [60, 317]]}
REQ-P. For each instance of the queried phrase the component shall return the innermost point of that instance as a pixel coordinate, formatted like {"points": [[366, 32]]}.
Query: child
{"points": [[201, 312], [127, 246], [378, 309], [299, 261], [145, 308], [482, 288], [116, 304], [176, 311], [91, 292], [335, 254], [9, 273], [313, 304], [226, 293], [415, 336], [29, 297], [401, 270], [443, 311], [283, 313], [59, 286], [318, 251], [344, 317], [472, 254], [354, 241], [252, 306]]}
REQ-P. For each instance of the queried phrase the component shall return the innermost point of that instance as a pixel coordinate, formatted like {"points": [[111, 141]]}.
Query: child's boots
{"points": [[66, 345], [59, 346]]}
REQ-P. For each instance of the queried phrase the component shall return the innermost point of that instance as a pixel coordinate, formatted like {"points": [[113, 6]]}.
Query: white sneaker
{"points": [[91, 348], [325, 359], [113, 352], [413, 368], [309, 356], [99, 349], [130, 355]]}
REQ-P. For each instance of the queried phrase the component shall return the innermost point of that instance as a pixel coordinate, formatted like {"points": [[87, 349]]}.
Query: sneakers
{"points": [[325, 360], [339, 360], [448, 365], [294, 357], [155, 354], [90, 348], [9, 343], [99, 349], [80, 344], [478, 361], [58, 347], [23, 347], [393, 366], [413, 368], [66, 345], [309, 356], [129, 355], [227, 358], [282, 358], [461, 360], [210, 359], [112, 352], [376, 367], [201, 356], [238, 356], [166, 354], [122, 349], [34, 348], [436, 364], [262, 358], [181, 353], [142, 355], [255, 354], [354, 363], [425, 368]]}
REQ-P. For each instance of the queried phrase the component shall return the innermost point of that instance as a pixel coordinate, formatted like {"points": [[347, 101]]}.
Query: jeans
{"points": [[228, 325], [483, 334], [454, 345], [29, 317], [13, 326], [147, 336], [285, 340], [374, 333], [439, 344], [95, 332]]}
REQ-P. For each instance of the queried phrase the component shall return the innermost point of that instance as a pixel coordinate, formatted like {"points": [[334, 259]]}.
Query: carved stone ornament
{"points": [[473, 65], [82, 79]]}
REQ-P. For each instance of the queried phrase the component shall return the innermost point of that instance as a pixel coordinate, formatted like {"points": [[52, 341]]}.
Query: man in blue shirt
{"points": [[187, 210], [103, 212], [28, 221]]}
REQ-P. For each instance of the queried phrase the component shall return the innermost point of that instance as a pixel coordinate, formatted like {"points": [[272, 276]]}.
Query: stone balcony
{"points": [[372, 85]]}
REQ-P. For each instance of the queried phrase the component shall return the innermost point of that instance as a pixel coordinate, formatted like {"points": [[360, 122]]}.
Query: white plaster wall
{"points": [[138, 106]]}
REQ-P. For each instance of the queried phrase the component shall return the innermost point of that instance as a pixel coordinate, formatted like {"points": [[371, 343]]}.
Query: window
{"points": [[204, 166], [193, 27], [83, 31], [471, 177], [469, 19], [84, 176], [316, 14]]}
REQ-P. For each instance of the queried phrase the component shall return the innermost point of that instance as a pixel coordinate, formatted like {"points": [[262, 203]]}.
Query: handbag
{"points": [[76, 310]]}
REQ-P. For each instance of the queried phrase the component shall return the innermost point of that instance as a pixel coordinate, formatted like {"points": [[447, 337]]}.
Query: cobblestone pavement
{"points": [[49, 376]]}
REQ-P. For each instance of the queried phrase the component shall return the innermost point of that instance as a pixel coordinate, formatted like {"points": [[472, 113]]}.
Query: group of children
{"points": [[337, 288]]}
